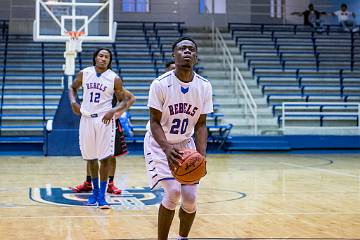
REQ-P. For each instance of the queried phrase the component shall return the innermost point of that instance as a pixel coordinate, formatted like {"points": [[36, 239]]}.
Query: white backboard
{"points": [[54, 18]]}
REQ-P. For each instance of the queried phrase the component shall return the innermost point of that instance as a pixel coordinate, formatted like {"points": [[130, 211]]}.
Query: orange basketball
{"points": [[192, 169]]}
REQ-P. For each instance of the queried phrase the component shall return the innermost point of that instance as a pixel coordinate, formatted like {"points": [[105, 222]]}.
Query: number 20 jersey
{"points": [[98, 90], [181, 104]]}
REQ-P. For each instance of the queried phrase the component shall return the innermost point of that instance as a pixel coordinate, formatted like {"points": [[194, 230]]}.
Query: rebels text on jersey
{"points": [[181, 104], [98, 90]]}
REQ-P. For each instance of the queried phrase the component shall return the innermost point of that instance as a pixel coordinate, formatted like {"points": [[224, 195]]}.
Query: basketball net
{"points": [[73, 46]]}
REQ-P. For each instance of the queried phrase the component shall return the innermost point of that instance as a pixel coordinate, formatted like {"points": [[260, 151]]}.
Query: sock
{"points": [[181, 238], [111, 179], [103, 187], [88, 179], [95, 182]]}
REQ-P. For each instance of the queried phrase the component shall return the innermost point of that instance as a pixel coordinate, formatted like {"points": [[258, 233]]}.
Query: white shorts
{"points": [[155, 159], [97, 140]]}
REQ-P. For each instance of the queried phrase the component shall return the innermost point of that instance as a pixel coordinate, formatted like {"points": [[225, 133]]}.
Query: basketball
{"points": [[192, 169]]}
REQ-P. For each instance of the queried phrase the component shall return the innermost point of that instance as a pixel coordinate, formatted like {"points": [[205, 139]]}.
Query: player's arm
{"points": [[297, 13], [201, 135], [75, 106], [172, 153], [126, 94], [120, 106]]}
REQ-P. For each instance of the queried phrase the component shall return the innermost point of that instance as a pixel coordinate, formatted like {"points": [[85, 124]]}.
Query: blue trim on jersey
{"points": [[202, 78], [168, 178], [164, 76]]}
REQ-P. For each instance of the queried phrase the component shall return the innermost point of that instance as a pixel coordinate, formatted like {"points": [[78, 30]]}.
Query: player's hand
{"points": [[118, 114], [76, 108], [173, 156], [107, 117]]}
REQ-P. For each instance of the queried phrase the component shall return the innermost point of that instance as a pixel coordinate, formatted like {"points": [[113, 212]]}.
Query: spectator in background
{"points": [[170, 65], [346, 19], [312, 18]]}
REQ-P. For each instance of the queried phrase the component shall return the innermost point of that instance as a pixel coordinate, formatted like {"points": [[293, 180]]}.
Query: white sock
{"points": [[181, 238]]}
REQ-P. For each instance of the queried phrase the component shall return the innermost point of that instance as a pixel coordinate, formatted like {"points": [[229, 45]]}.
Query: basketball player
{"points": [[179, 101], [170, 65], [97, 123], [120, 150]]}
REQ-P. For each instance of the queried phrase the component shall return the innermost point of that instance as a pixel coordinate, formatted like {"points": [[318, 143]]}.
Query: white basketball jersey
{"points": [[181, 104], [98, 90]]}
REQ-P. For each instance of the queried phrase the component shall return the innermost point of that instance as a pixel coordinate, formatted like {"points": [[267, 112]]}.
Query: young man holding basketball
{"points": [[179, 101]]}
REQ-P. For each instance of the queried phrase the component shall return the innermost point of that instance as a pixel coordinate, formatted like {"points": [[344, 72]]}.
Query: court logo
{"points": [[134, 198]]}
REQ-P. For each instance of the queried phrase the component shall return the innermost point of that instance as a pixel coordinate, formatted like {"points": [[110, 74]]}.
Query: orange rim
{"points": [[74, 34]]}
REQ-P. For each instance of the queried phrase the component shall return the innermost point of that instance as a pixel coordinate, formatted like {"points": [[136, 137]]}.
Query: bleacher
{"points": [[31, 85], [33, 77], [293, 63]]}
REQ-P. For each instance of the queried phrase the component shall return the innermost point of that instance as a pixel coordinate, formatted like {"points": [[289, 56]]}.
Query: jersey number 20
{"points": [[178, 124], [95, 97]]}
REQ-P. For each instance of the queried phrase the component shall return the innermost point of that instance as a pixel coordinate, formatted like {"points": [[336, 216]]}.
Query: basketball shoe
{"points": [[83, 187], [111, 188]]}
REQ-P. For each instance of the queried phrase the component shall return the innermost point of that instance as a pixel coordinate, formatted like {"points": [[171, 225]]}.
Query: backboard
{"points": [[54, 19]]}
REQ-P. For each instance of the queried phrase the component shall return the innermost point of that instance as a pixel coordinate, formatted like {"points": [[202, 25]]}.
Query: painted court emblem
{"points": [[134, 198]]}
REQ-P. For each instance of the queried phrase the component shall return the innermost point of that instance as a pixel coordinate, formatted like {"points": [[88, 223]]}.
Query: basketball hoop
{"points": [[73, 46], [74, 34], [71, 21], [75, 41]]}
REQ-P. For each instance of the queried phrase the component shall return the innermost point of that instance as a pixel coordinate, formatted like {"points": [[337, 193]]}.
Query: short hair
{"points": [[168, 63], [310, 5], [97, 52], [182, 39], [343, 5]]}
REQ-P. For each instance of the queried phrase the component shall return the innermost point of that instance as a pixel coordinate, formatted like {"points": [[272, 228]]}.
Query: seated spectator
{"points": [[346, 19], [126, 124], [312, 18]]}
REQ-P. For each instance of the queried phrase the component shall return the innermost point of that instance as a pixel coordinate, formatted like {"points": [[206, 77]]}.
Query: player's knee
{"points": [[188, 206], [171, 198], [189, 201]]}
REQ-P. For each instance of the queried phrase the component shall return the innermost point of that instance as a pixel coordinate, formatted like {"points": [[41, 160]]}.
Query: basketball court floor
{"points": [[245, 196]]}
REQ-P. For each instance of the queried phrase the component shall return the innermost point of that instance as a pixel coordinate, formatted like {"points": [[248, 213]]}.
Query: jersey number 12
{"points": [[95, 97]]}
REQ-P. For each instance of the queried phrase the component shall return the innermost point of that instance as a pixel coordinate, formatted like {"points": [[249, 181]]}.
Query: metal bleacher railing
{"points": [[242, 91], [4, 39], [313, 45], [294, 63], [4, 26]]}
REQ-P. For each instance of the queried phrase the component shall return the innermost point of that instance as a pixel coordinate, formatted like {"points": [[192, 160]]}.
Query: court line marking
{"points": [[245, 238], [320, 170], [155, 215]]}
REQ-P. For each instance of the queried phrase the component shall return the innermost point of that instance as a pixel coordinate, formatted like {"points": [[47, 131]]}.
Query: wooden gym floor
{"points": [[247, 196]]}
